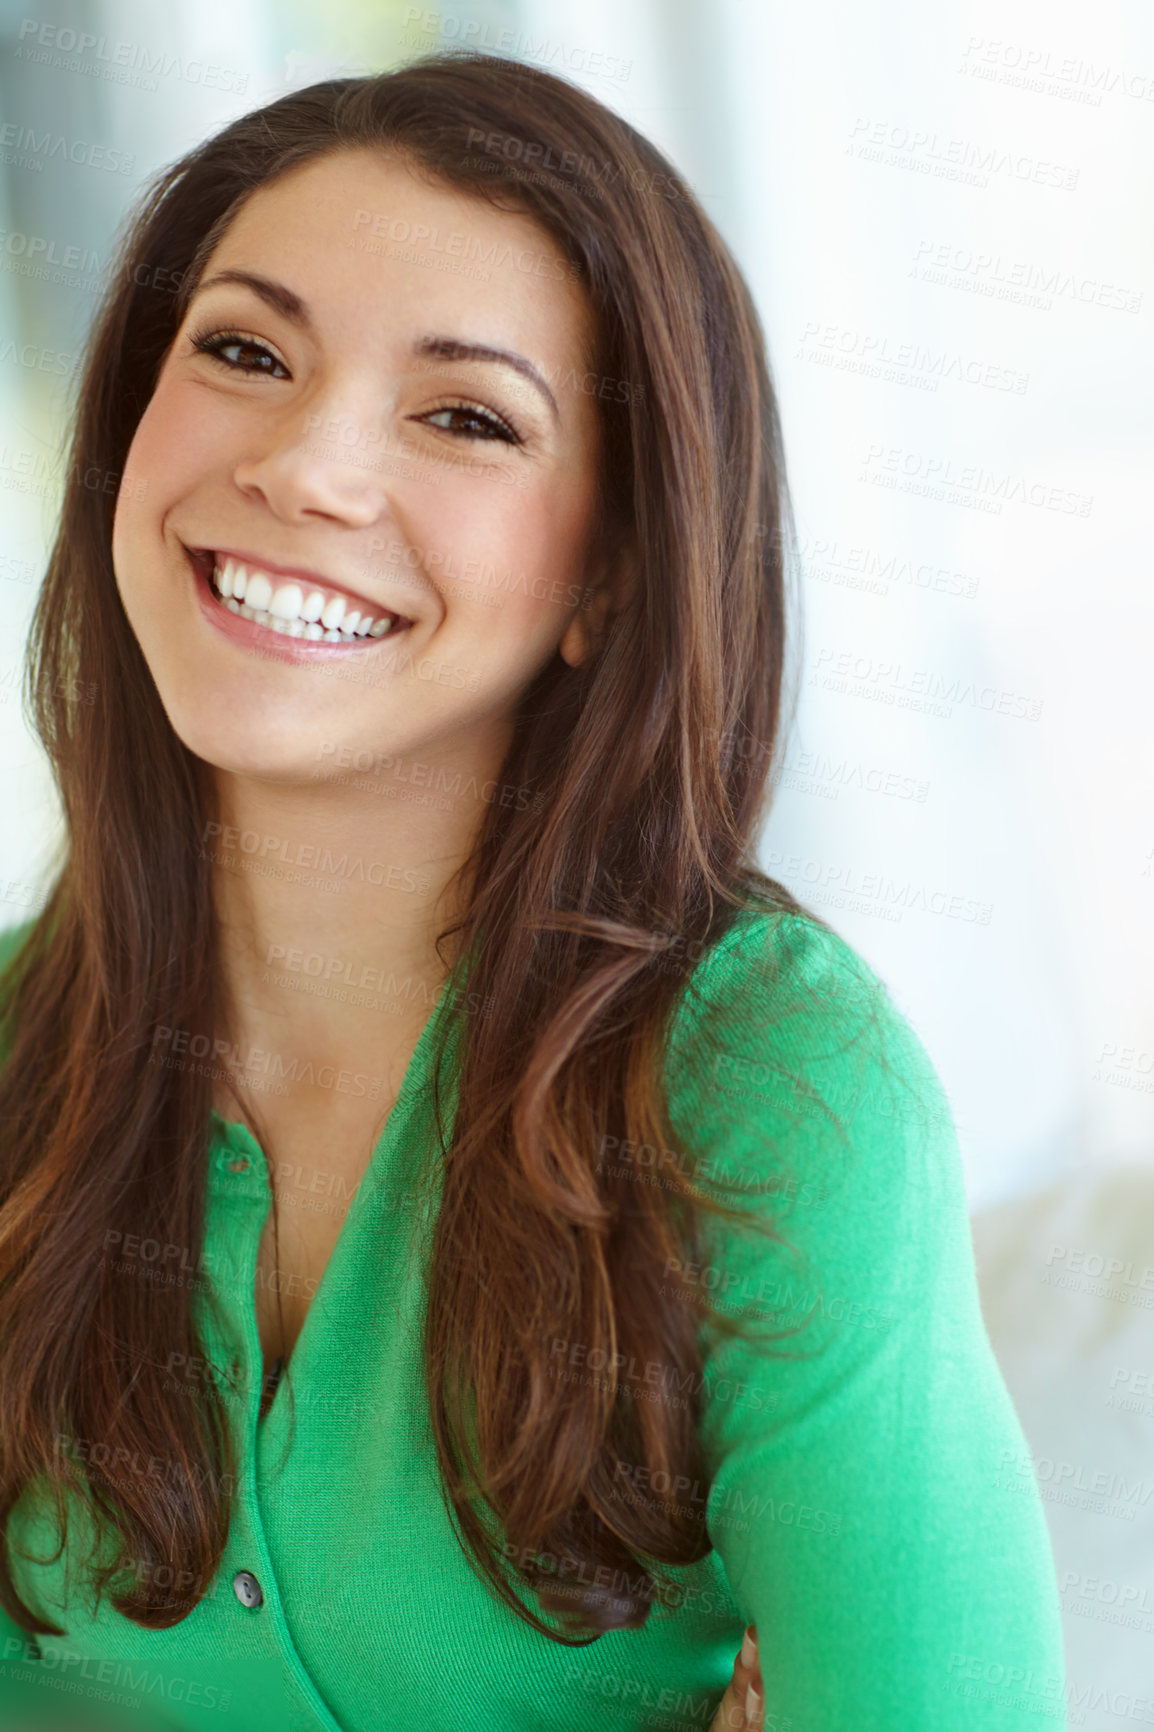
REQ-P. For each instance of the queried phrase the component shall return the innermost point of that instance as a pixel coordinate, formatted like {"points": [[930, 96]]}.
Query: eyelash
{"points": [[212, 342]]}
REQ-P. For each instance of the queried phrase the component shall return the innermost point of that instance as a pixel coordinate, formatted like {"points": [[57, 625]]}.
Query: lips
{"points": [[288, 612], [213, 562], [279, 637]]}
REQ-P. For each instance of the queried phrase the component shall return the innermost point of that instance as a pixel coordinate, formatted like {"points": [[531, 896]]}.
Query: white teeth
{"points": [[258, 591], [292, 611], [287, 601]]}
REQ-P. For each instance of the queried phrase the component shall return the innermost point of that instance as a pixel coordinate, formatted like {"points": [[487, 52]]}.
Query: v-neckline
{"points": [[413, 1080]]}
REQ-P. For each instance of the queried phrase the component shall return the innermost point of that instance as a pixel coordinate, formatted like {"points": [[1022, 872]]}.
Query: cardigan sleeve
{"points": [[870, 1494]]}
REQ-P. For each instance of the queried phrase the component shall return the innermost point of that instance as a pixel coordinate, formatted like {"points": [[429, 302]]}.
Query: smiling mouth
{"points": [[302, 608]]}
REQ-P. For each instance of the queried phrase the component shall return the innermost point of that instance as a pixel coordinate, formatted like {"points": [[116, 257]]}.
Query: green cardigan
{"points": [[870, 1498]]}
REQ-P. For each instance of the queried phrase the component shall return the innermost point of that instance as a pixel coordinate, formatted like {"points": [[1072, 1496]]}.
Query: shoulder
{"points": [[788, 1028], [803, 1098], [781, 974]]}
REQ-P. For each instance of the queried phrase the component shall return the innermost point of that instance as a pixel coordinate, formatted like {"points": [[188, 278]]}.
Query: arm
{"points": [[864, 1500]]}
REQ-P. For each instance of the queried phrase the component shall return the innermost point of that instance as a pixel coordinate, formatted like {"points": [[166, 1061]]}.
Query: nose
{"points": [[299, 473]]}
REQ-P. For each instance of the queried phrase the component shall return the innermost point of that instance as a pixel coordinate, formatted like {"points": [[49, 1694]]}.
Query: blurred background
{"points": [[943, 213]]}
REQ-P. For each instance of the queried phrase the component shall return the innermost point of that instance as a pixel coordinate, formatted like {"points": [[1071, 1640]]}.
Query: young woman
{"points": [[472, 1246]]}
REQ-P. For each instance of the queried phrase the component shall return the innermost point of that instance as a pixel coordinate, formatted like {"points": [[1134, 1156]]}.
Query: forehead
{"points": [[368, 238]]}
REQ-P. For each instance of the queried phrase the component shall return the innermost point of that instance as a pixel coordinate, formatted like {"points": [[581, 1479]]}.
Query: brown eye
{"points": [[228, 346], [479, 424]]}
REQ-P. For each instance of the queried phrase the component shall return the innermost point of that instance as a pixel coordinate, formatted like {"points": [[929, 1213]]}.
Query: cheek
{"points": [[512, 557], [179, 437], [176, 445]]}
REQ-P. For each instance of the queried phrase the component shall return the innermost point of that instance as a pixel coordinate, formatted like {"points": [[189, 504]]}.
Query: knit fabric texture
{"points": [[869, 1493]]}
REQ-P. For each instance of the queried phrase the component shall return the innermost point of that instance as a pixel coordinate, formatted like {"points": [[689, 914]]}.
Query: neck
{"points": [[329, 901]]}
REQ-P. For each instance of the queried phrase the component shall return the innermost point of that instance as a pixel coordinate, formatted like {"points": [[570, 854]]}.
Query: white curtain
{"points": [[943, 213]]}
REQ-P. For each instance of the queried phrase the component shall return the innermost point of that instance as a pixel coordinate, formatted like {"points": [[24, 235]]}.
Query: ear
{"points": [[605, 591], [585, 632]]}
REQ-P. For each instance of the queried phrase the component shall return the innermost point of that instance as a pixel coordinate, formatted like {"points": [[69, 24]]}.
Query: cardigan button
{"points": [[247, 1589]]}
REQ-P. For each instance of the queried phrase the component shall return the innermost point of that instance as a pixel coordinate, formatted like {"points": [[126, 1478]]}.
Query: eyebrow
{"points": [[291, 307], [451, 349]]}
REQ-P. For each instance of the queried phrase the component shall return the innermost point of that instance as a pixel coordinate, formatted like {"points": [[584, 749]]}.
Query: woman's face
{"points": [[372, 428]]}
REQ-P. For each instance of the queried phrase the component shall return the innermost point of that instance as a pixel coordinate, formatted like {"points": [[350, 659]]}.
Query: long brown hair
{"points": [[650, 765]]}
